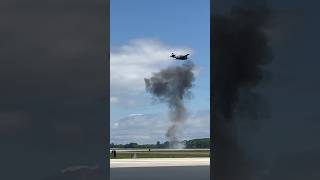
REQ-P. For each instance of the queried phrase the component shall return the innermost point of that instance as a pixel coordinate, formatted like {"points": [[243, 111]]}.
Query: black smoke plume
{"points": [[172, 85], [239, 52]]}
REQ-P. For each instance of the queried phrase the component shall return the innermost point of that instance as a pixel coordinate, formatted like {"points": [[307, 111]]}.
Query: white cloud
{"points": [[139, 128], [131, 115], [114, 99], [150, 128], [198, 125], [132, 62]]}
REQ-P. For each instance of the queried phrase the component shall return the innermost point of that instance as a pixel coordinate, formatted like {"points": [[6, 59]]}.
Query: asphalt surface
{"points": [[160, 168], [160, 173], [158, 162]]}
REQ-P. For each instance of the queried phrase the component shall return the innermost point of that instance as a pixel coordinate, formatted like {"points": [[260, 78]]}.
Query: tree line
{"points": [[189, 144]]}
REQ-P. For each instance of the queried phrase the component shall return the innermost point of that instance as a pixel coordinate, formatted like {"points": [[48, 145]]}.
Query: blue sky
{"points": [[143, 35]]}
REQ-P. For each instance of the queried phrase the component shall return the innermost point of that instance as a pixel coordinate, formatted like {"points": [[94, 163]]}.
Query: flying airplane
{"points": [[179, 57]]}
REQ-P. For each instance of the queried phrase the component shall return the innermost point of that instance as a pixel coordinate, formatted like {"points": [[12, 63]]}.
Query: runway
{"points": [[158, 162], [160, 168], [160, 173]]}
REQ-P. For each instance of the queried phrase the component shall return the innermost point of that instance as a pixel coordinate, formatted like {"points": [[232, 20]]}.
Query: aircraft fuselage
{"points": [[180, 57]]}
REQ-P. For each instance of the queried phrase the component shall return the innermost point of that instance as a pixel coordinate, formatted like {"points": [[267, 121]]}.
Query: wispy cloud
{"points": [[150, 128], [114, 99]]}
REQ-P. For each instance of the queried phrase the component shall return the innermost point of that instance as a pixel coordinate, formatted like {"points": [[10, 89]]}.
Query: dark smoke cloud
{"points": [[286, 144], [240, 51], [172, 86], [53, 86]]}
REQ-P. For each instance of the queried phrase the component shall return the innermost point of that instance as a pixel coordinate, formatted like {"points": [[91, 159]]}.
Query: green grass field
{"points": [[161, 154]]}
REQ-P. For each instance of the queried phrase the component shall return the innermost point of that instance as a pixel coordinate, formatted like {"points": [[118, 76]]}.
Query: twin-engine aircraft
{"points": [[180, 57]]}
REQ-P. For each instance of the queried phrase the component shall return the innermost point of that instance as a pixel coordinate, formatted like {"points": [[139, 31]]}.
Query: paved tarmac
{"points": [[161, 173], [160, 168], [159, 162]]}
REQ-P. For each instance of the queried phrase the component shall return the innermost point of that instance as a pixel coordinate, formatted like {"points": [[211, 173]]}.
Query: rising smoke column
{"points": [[172, 85], [240, 51]]}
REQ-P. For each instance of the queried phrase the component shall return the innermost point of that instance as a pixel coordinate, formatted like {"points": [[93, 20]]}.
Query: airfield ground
{"points": [[160, 168], [160, 153]]}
